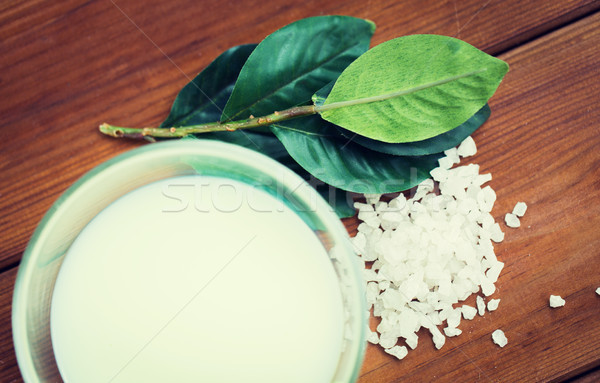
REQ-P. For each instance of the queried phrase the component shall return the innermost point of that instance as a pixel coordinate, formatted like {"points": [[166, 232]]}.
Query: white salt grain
{"points": [[398, 351], [482, 178], [372, 199], [468, 312], [520, 209], [439, 174], [373, 337], [427, 253], [387, 340], [452, 155], [598, 291], [494, 271], [499, 338], [496, 233], [556, 301], [438, 338], [493, 304], [512, 220], [480, 305], [452, 331], [411, 340], [467, 147], [445, 162]]}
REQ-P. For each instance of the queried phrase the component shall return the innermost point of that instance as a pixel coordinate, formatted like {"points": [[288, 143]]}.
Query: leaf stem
{"points": [[253, 122], [182, 131]]}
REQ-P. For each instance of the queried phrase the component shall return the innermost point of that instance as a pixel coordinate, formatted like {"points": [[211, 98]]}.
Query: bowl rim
{"points": [[236, 153]]}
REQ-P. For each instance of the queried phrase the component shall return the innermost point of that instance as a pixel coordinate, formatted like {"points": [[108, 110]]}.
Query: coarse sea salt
{"points": [[556, 301], [512, 220], [520, 209], [499, 338], [425, 254], [493, 304]]}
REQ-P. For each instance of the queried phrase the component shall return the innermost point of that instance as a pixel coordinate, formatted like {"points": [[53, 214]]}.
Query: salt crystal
{"points": [[387, 340], [494, 271], [445, 162], [398, 203], [359, 242], [380, 206], [468, 312], [451, 331], [372, 292], [493, 304], [390, 220], [480, 305], [467, 147], [598, 291], [398, 351], [364, 228], [429, 253], [486, 198], [438, 338], [452, 155], [439, 174], [370, 275], [482, 178], [423, 188], [520, 209], [487, 287], [512, 220], [496, 233], [556, 301], [372, 198], [411, 340], [499, 338], [363, 206], [454, 318], [373, 337]]}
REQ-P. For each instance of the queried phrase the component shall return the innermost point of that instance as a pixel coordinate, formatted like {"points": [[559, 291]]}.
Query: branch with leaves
{"points": [[373, 120]]}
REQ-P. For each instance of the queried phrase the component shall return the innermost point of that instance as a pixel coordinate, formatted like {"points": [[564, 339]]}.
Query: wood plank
{"points": [[9, 371], [69, 66], [541, 147]]}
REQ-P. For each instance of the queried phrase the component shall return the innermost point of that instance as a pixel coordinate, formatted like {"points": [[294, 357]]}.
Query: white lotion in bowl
{"points": [[197, 279]]}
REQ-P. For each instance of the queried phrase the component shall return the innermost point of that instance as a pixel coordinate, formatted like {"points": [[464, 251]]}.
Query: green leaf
{"points": [[432, 145], [203, 99], [425, 85], [292, 63], [346, 165]]}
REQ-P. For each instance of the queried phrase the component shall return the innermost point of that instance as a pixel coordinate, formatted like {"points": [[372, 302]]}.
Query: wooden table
{"points": [[68, 66]]}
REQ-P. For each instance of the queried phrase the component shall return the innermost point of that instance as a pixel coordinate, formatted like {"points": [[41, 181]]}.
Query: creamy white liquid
{"points": [[197, 279]]}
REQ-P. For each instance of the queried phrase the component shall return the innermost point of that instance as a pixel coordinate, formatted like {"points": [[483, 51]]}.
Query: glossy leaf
{"points": [[432, 145], [346, 165], [292, 63], [203, 99], [444, 80]]}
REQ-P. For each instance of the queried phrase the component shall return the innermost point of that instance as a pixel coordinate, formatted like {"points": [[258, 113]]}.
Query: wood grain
{"points": [[68, 66], [9, 372], [541, 147]]}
